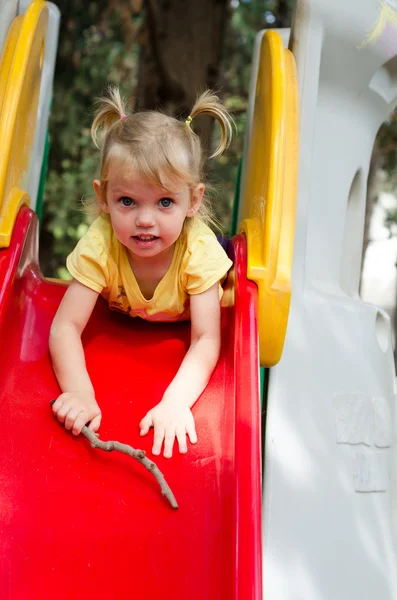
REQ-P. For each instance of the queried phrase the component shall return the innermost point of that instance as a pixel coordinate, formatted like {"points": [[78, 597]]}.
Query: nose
{"points": [[145, 218]]}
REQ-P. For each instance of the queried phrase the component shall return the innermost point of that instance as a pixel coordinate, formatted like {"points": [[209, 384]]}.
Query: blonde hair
{"points": [[154, 143]]}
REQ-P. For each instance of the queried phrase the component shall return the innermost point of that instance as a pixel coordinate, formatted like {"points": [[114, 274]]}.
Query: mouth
{"points": [[145, 240], [145, 237]]}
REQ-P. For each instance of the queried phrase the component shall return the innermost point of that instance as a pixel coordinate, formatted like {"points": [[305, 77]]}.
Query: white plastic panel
{"points": [[50, 54], [330, 501]]}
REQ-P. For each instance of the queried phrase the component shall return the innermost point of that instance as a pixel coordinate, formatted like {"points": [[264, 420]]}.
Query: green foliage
{"points": [[387, 148], [89, 57]]}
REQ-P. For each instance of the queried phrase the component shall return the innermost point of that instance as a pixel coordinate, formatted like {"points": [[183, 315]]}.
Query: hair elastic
{"points": [[123, 116], [188, 121]]}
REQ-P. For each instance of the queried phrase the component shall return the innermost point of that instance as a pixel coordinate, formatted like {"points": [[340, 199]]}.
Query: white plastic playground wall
{"points": [[47, 78], [330, 485]]}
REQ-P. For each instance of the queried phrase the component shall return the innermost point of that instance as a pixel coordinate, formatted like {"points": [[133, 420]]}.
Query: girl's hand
{"points": [[170, 420], [75, 409]]}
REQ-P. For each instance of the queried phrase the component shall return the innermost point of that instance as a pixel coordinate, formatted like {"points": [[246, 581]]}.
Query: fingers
{"points": [[71, 417], [82, 419], [159, 434], [181, 437], [169, 438], [62, 411], [74, 411], [165, 433], [191, 431], [95, 423], [56, 405], [79, 422], [146, 424]]}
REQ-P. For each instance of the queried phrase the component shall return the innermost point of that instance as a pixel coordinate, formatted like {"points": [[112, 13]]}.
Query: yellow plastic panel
{"points": [[8, 55], [20, 76], [270, 192]]}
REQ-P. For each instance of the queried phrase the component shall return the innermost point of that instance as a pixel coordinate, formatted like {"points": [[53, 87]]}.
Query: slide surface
{"points": [[76, 522]]}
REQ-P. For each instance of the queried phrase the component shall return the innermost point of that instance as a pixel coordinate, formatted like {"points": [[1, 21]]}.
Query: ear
{"points": [[195, 202], [99, 196]]}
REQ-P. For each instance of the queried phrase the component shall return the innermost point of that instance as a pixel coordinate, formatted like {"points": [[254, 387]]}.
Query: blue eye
{"points": [[125, 201], [165, 202]]}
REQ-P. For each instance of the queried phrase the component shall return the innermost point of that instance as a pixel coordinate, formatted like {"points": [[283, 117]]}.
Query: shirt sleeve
{"points": [[88, 262], [206, 263]]}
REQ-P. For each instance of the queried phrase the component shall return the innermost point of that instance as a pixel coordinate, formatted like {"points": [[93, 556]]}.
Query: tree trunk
{"points": [[180, 56], [283, 13]]}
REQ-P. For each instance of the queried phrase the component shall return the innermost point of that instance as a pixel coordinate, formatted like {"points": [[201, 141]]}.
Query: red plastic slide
{"points": [[78, 523]]}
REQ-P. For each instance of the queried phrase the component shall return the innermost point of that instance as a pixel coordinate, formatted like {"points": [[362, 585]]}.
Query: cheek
{"points": [[120, 224], [179, 216], [172, 224]]}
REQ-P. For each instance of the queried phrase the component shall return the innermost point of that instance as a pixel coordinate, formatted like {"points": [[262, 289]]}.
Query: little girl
{"points": [[150, 254]]}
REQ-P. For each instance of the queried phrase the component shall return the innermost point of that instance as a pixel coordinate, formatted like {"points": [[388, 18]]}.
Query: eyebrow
{"points": [[120, 190]]}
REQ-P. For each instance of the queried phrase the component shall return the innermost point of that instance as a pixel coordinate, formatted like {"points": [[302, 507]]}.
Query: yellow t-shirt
{"points": [[100, 262]]}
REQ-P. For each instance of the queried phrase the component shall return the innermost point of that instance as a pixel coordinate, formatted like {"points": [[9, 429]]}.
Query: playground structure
{"points": [[322, 523]]}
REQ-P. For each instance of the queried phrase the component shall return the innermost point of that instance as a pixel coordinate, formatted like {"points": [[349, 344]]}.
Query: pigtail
{"points": [[111, 109], [208, 103]]}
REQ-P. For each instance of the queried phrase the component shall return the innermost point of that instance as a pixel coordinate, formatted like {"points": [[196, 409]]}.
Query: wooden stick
{"points": [[139, 455]]}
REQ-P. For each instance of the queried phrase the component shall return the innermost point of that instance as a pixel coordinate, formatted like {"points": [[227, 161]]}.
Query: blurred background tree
{"points": [[161, 53], [384, 178], [387, 162], [97, 44]]}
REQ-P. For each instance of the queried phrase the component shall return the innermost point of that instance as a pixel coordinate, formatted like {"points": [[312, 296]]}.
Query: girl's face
{"points": [[147, 219]]}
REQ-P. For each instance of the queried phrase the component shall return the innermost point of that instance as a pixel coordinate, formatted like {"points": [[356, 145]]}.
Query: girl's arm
{"points": [[172, 416], [76, 405]]}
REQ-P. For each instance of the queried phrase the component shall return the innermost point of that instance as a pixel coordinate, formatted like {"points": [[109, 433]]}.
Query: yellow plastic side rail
{"points": [[270, 192], [20, 77]]}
